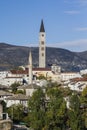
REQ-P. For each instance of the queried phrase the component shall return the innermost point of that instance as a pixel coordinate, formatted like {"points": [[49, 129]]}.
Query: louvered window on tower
{"points": [[42, 54], [42, 42], [42, 48]]}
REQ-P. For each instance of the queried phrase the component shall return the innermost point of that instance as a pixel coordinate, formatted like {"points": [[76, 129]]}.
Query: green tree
{"points": [[41, 77], [14, 87], [66, 92], [75, 117], [4, 105], [37, 110], [84, 105], [16, 112], [56, 114], [20, 92], [84, 92]]}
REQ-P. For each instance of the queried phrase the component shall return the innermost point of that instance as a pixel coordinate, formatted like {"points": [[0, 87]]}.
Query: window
{"points": [[42, 35], [42, 42], [42, 48], [42, 54]]}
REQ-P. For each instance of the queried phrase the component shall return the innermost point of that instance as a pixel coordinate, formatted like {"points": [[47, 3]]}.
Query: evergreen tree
{"points": [[56, 117], [37, 110], [84, 105], [16, 112], [75, 117]]}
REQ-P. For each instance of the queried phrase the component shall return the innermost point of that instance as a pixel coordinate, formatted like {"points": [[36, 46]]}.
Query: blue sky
{"points": [[65, 23]]}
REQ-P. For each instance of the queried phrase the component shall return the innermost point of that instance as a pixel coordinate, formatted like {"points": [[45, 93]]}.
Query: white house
{"points": [[17, 99], [69, 75], [77, 84]]}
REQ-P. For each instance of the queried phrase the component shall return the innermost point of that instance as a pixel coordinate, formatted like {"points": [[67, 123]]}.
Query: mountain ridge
{"points": [[12, 56]]}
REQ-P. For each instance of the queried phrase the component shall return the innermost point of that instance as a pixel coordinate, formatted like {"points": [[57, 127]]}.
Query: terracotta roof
{"points": [[79, 79], [19, 71], [69, 72], [26, 71]]}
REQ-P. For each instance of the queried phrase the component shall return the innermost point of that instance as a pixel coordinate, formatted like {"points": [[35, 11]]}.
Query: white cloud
{"points": [[77, 45], [81, 29], [82, 2], [72, 12], [76, 2]]}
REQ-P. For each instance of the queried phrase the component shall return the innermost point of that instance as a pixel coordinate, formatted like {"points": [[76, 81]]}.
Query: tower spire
{"points": [[42, 26]]}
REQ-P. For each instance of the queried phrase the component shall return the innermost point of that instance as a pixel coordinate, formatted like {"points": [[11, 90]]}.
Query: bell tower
{"points": [[42, 47], [30, 68]]}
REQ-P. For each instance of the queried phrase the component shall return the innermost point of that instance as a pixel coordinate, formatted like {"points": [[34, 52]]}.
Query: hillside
{"points": [[12, 56]]}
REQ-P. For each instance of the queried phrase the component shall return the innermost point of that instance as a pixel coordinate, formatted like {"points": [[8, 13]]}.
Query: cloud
{"points": [[76, 2], [82, 2], [81, 29], [72, 12], [76, 45]]}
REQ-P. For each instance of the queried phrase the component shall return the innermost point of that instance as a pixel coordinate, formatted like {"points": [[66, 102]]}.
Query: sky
{"points": [[65, 23]]}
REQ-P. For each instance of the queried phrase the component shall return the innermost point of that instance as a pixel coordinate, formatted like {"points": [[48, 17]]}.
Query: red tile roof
{"points": [[79, 79], [26, 71], [19, 71]]}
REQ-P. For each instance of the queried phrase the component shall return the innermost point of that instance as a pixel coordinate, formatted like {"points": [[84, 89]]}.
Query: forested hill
{"points": [[12, 56]]}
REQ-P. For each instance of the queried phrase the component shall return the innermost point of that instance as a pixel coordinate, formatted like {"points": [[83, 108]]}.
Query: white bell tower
{"points": [[42, 47], [30, 68]]}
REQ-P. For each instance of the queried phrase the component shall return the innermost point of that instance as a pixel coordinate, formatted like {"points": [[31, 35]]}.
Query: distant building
{"points": [[17, 99], [56, 69], [69, 75]]}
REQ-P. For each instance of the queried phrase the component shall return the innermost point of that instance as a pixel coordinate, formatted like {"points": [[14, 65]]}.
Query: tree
{"points": [[66, 92], [20, 92], [4, 105], [84, 92], [75, 117], [16, 112], [14, 87], [84, 105], [37, 110], [56, 114], [41, 77]]}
